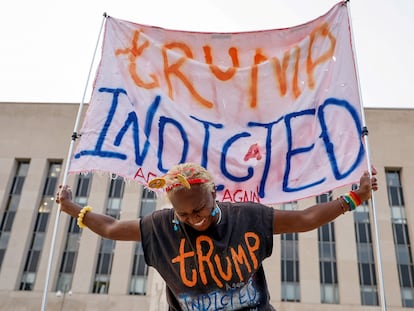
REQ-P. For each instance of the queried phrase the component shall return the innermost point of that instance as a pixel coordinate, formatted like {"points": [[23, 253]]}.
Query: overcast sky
{"points": [[47, 46]]}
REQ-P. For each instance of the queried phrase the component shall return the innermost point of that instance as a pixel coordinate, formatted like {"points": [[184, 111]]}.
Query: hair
{"points": [[190, 171]]}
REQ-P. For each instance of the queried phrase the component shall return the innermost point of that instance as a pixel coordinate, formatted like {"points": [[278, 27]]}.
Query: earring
{"points": [[176, 223], [215, 211]]}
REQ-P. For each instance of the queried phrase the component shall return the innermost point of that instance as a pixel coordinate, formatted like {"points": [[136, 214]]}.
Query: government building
{"points": [[336, 267]]}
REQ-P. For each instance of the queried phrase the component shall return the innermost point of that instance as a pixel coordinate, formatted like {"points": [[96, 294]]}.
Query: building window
{"points": [[402, 242], [290, 262], [39, 230], [106, 249], [365, 254], [139, 274], [327, 258], [7, 218], [394, 188], [323, 198], [290, 267], [70, 252]]}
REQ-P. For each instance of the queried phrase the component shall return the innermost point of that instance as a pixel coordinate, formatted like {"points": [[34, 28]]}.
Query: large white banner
{"points": [[274, 115]]}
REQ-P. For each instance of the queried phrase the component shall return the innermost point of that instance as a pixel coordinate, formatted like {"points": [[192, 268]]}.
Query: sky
{"points": [[47, 46]]}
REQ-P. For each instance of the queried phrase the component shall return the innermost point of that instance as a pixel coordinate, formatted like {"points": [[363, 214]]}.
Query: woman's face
{"points": [[194, 206]]}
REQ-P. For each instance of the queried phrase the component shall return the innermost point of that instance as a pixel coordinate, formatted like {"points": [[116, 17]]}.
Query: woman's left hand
{"points": [[367, 184]]}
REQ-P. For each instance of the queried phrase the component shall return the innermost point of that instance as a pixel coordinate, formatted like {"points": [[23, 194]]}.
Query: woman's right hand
{"points": [[64, 196]]}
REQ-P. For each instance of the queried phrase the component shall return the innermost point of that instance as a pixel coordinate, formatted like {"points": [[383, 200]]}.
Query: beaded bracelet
{"points": [[352, 199], [81, 215]]}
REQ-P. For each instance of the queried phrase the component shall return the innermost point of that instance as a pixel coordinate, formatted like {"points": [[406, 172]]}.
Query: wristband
{"points": [[352, 199]]}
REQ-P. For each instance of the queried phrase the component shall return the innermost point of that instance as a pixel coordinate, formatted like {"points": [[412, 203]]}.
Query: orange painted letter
{"points": [[240, 257], [295, 83], [280, 71], [220, 74], [225, 275], [181, 259], [134, 52], [252, 247], [258, 58], [174, 69], [206, 259], [322, 31]]}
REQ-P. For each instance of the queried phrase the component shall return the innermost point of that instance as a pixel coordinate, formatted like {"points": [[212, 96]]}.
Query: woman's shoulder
{"points": [[246, 209], [233, 206], [158, 216], [162, 212]]}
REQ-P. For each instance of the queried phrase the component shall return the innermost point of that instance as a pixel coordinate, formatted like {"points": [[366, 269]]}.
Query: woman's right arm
{"points": [[103, 225]]}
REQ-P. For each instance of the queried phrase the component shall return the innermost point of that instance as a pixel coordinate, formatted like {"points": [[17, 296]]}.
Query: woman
{"points": [[210, 253]]}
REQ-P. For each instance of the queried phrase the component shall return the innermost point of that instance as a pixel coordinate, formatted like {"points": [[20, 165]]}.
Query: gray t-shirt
{"points": [[217, 269]]}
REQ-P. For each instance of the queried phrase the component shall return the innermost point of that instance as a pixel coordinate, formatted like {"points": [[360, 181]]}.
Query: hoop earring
{"points": [[215, 211]]}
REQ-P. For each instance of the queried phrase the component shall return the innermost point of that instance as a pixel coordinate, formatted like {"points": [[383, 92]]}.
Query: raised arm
{"points": [[320, 214], [103, 225]]}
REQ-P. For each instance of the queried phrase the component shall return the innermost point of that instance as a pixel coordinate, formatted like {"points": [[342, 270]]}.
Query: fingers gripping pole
{"points": [[75, 135]]}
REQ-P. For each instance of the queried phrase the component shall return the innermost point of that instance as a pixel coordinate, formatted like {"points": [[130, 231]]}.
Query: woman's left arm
{"points": [[320, 214]]}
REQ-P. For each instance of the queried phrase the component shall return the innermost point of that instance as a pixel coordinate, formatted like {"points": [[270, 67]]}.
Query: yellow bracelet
{"points": [[82, 214]]}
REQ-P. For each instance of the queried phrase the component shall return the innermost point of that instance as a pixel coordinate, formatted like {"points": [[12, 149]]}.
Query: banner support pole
{"points": [[75, 135], [368, 156]]}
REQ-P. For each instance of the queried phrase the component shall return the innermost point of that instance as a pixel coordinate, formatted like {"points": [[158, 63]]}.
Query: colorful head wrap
{"points": [[182, 175]]}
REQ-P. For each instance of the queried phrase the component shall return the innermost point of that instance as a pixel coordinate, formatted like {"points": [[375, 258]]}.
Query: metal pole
{"points": [[71, 146], [368, 155]]}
